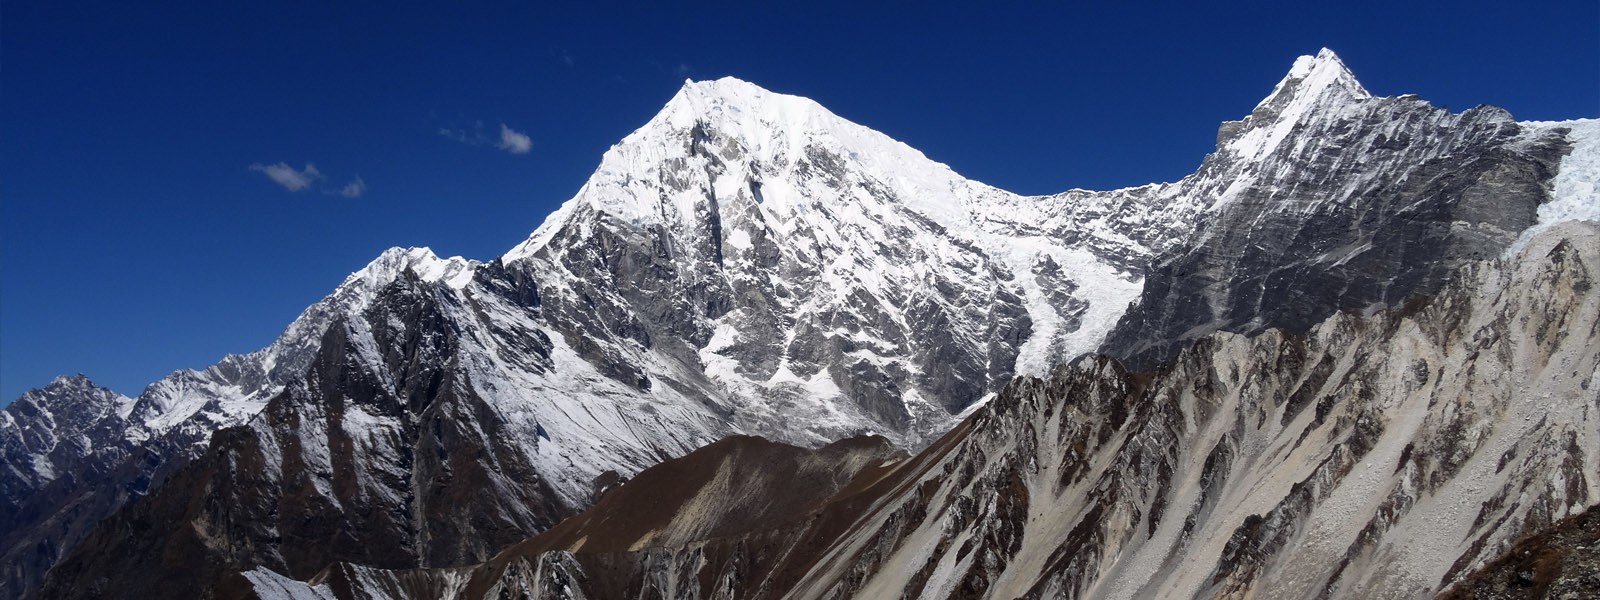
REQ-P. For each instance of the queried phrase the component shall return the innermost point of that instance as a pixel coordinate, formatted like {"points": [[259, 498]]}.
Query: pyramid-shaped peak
{"points": [[1313, 78], [1315, 85], [1325, 59], [747, 127]]}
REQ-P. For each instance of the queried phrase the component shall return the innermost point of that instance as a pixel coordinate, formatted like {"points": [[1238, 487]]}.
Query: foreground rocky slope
{"points": [[737, 502], [1561, 562], [1375, 457]]}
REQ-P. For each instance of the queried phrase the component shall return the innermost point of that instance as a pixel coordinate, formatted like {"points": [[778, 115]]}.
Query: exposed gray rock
{"points": [[74, 453], [1376, 456], [1363, 202]]}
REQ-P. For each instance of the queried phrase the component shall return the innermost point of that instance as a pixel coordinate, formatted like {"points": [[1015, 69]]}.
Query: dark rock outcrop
{"points": [[1559, 563]]}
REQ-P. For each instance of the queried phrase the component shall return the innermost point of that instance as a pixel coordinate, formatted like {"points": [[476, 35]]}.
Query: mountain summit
{"points": [[824, 273], [1314, 87]]}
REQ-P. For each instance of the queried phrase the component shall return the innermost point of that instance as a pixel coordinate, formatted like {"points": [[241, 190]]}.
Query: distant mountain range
{"points": [[767, 352]]}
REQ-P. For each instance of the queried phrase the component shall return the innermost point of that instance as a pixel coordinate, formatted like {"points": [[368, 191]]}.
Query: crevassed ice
{"points": [[1576, 196]]}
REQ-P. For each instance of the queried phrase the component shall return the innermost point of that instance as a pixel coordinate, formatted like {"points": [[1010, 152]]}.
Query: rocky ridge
{"points": [[1345, 202], [73, 453]]}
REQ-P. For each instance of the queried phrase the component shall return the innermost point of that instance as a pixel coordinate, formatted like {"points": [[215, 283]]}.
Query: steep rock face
{"points": [[74, 453], [377, 455], [64, 417], [1344, 202], [446, 419], [1377, 456]]}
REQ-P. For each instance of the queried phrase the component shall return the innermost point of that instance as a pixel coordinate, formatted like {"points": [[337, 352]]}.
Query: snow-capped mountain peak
{"points": [[1314, 77], [739, 107], [746, 137], [1318, 86], [809, 236], [422, 262], [56, 419]]}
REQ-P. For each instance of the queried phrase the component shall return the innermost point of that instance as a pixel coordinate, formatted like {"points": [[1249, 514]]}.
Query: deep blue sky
{"points": [[135, 238]]}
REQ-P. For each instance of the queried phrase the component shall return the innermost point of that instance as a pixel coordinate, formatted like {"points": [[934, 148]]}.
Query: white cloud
{"points": [[354, 189], [683, 69], [510, 140], [514, 141], [288, 177]]}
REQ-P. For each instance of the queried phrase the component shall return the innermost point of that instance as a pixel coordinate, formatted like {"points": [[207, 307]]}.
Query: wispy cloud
{"points": [[514, 141], [455, 134], [473, 136], [296, 180], [683, 69], [510, 140], [288, 177], [354, 189]]}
